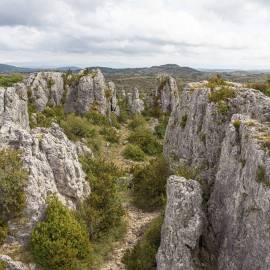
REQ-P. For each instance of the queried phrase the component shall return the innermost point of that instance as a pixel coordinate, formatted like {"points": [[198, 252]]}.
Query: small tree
{"points": [[60, 242]]}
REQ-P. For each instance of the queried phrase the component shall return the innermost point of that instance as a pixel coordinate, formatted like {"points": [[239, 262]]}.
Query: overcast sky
{"points": [[135, 33]]}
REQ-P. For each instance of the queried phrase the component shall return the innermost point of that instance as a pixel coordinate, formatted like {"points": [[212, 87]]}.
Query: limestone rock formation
{"points": [[53, 166], [167, 94], [45, 88], [228, 141], [112, 101], [182, 226], [136, 105], [13, 106], [88, 93]]}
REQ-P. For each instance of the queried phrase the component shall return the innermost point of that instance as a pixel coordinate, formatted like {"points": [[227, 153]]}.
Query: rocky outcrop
{"points": [[45, 88], [13, 106], [87, 93], [182, 226], [227, 140], [167, 93], [135, 104], [53, 166]]}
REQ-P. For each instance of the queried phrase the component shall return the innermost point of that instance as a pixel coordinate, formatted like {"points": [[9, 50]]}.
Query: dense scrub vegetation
{"points": [[60, 242], [142, 256], [149, 184], [102, 211], [13, 178], [263, 87], [146, 140], [9, 80]]}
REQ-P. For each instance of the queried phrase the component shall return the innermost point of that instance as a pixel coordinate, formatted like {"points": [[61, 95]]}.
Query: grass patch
{"points": [[133, 152], [137, 121], [143, 255], [3, 265], [9, 80], [149, 184]]}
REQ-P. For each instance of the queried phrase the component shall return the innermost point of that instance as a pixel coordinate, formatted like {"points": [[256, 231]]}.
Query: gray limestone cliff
{"points": [[182, 226], [227, 140]]}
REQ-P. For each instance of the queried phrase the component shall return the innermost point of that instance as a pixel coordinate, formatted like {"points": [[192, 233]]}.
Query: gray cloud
{"points": [[188, 32]]}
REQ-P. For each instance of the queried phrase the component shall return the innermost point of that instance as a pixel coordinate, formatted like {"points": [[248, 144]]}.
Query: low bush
{"points": [[146, 141], [96, 118], [261, 176], [143, 255], [160, 129], [3, 265], [102, 211], [77, 127], [187, 172], [221, 94], [133, 152], [184, 121], [60, 242], [9, 80], [215, 80], [110, 134], [149, 184], [3, 232], [137, 121], [13, 179]]}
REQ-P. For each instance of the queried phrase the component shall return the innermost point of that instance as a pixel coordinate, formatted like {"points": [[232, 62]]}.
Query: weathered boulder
{"points": [[167, 93], [136, 105], [45, 88], [227, 141], [53, 166], [182, 227], [13, 106]]}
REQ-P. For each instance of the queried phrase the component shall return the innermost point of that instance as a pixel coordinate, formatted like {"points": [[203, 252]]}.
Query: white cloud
{"points": [[203, 33]]}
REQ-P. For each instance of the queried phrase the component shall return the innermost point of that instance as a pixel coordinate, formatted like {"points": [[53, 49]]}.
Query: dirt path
{"points": [[137, 220]]}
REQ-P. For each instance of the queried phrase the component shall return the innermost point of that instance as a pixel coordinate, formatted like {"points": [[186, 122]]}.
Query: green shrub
{"points": [[160, 129], [261, 176], [143, 255], [3, 232], [60, 242], [9, 80], [146, 140], [221, 94], [133, 152], [13, 179], [149, 184], [215, 80], [96, 118], [102, 211], [137, 121], [77, 127], [237, 124], [110, 134], [187, 172], [3, 265]]}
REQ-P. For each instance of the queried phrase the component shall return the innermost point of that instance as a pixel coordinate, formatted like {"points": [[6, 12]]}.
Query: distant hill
{"points": [[171, 69], [14, 69]]}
